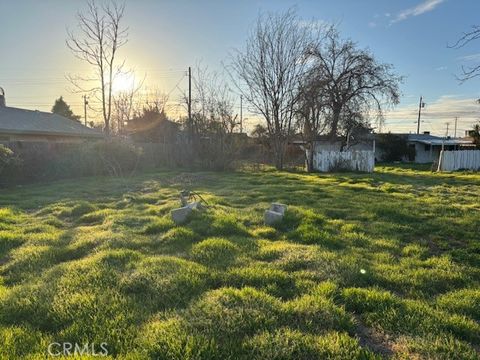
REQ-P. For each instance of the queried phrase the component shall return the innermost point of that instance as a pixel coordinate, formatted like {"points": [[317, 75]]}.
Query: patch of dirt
{"points": [[374, 340]]}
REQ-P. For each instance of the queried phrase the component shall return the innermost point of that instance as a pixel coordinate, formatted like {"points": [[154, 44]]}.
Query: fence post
{"points": [[440, 161]]}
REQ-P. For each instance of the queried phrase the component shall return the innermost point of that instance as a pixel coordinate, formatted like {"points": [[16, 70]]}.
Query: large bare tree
{"points": [[100, 35], [353, 82], [269, 68], [311, 114]]}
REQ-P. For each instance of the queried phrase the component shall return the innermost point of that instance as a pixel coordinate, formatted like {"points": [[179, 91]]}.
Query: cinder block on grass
{"points": [[196, 205], [279, 208], [180, 215], [275, 213], [272, 217]]}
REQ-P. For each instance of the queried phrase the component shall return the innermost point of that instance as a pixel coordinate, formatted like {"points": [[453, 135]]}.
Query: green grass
{"points": [[364, 266]]}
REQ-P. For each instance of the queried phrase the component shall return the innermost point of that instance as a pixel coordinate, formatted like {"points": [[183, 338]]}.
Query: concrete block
{"points": [[279, 208], [272, 217], [196, 205], [180, 215]]}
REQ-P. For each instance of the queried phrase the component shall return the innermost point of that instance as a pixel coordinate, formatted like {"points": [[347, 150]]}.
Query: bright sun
{"points": [[123, 82]]}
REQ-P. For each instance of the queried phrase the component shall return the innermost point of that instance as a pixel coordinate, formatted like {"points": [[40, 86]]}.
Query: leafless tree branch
{"points": [[98, 38]]}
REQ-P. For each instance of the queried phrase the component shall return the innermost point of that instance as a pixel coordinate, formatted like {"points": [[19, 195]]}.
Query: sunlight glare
{"points": [[124, 82]]}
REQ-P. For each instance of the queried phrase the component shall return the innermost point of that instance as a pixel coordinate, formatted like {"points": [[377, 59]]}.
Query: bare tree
{"points": [[469, 72], [213, 119], [311, 114], [123, 109], [270, 68], [126, 104], [212, 102], [353, 81], [100, 35]]}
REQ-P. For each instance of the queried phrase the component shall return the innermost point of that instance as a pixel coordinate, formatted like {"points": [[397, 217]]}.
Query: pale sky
{"points": [[166, 36]]}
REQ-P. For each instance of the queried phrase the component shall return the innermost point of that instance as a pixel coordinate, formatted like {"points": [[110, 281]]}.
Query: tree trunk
{"points": [[335, 121], [310, 156], [278, 150]]}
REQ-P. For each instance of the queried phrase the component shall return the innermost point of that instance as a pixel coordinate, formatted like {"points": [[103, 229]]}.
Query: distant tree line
{"points": [[301, 79]]}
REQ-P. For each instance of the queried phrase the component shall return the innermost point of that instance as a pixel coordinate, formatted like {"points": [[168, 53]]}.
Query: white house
{"points": [[427, 147]]}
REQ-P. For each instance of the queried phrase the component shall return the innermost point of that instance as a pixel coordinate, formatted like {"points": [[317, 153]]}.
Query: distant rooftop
{"points": [[21, 121], [428, 139]]}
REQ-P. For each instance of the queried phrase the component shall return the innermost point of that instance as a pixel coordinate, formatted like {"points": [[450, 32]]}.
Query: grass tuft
{"points": [[215, 252]]}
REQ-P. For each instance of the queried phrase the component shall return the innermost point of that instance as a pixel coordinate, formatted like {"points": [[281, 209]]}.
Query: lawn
{"points": [[364, 266]]}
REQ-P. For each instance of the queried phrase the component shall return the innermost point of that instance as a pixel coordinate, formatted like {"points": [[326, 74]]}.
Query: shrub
{"points": [[43, 161], [9, 163], [394, 147], [6, 155], [118, 157]]}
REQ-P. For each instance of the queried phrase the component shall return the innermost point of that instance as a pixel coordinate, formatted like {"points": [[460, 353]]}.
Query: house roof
{"points": [[435, 140], [34, 122]]}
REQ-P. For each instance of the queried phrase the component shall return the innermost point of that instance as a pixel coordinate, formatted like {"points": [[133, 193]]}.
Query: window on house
{"points": [[427, 147]]}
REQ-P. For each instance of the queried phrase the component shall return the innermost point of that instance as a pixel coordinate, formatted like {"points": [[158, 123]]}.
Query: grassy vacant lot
{"points": [[363, 267]]}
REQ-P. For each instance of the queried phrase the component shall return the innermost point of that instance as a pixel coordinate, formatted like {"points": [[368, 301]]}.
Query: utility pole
{"points": [[421, 105], [448, 124], [85, 103], [241, 114], [456, 120], [190, 123]]}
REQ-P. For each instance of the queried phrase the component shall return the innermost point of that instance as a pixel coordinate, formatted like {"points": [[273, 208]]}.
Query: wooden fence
{"points": [[459, 160], [326, 161]]}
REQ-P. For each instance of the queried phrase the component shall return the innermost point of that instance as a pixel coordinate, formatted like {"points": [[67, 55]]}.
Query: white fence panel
{"points": [[459, 160], [326, 161]]}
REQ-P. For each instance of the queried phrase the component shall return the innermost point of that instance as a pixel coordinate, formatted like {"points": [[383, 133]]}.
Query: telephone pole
{"points": [[190, 123], [456, 120], [85, 103], [421, 105], [448, 124], [241, 114]]}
